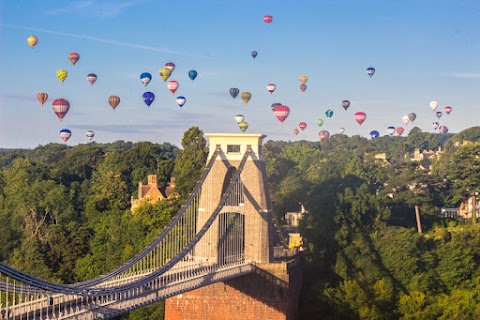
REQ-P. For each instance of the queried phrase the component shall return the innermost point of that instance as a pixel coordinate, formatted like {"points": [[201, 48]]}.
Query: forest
{"points": [[65, 216]]}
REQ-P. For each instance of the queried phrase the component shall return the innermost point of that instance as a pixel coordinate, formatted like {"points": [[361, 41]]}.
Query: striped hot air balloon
{"points": [[114, 101], [42, 97], [92, 77], [65, 134], [170, 65], [62, 75], [302, 125], [360, 117], [267, 18], [90, 134], [271, 87], [73, 57], [181, 100], [172, 86], [60, 107], [239, 118], [281, 112]]}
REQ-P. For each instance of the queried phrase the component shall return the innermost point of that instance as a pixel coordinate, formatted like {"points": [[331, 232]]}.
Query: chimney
{"points": [[152, 179]]}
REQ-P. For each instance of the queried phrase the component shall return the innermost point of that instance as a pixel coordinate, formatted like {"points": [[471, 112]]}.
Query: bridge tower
{"points": [[272, 290]]}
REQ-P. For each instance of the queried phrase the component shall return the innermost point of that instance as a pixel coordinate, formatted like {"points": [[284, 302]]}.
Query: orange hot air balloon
{"points": [[295, 131], [42, 97], [60, 107], [32, 41], [303, 79], [73, 57], [360, 117], [113, 101], [400, 130]]}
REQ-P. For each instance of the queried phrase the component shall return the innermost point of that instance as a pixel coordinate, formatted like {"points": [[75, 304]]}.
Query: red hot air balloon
{"points": [[448, 109], [172, 86], [360, 117], [324, 134], [271, 87], [60, 107], [281, 112], [267, 18], [73, 57], [170, 65], [42, 97], [400, 130], [302, 125], [113, 101]]}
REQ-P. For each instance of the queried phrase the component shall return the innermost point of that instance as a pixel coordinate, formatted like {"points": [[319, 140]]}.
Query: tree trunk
{"points": [[417, 216], [474, 209]]}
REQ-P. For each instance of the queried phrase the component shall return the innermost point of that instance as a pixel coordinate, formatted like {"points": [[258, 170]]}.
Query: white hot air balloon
{"points": [[239, 118], [433, 105]]}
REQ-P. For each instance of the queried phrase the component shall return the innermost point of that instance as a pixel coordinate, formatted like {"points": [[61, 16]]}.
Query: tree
{"points": [[190, 161]]}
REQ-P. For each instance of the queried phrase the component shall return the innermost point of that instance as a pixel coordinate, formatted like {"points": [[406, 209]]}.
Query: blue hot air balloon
{"points": [[391, 130], [371, 71], [329, 113], [254, 54], [145, 78], [374, 134], [234, 92], [148, 97], [181, 101], [192, 74]]}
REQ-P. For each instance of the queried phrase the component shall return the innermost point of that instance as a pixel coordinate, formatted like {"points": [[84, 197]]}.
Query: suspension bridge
{"points": [[223, 231]]}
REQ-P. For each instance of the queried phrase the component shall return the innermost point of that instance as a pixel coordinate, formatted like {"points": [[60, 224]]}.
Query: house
{"points": [[293, 218], [152, 193]]}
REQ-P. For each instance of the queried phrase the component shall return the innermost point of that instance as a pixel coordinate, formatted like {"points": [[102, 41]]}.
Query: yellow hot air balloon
{"points": [[246, 96], [32, 41], [165, 73], [243, 126], [303, 79], [62, 74]]}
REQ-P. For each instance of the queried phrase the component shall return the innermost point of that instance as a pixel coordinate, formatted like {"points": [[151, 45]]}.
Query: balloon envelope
{"points": [[295, 131], [254, 54], [275, 104], [192, 74], [62, 75], [65, 134], [323, 134], [42, 97], [148, 98], [433, 105], [374, 134], [371, 71], [170, 65], [239, 118], [271, 87], [400, 130], [341, 130], [406, 119], [412, 116], [246, 96], [439, 114], [90, 134], [234, 92], [329, 113], [319, 122], [165, 73], [360, 117], [443, 129], [243, 126], [435, 125], [172, 86], [267, 18], [145, 78], [92, 77], [303, 79], [73, 57], [391, 130], [114, 101], [447, 110], [345, 104], [32, 41], [60, 107], [181, 101], [281, 112], [302, 125], [303, 87]]}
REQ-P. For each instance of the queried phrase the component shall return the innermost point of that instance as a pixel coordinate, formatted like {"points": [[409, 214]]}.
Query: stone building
{"points": [[152, 193]]}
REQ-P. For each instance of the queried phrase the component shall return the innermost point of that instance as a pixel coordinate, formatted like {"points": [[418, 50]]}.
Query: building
{"points": [[152, 193]]}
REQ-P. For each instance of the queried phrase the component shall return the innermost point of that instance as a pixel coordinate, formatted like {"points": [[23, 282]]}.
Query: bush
{"points": [[452, 224]]}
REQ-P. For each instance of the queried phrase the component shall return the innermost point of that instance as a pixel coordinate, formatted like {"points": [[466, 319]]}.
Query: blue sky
{"points": [[422, 50]]}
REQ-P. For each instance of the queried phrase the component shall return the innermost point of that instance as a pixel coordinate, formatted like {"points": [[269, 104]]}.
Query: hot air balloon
{"points": [[374, 134], [323, 134], [447, 110], [302, 125], [172, 86], [148, 98], [329, 113], [271, 87], [295, 131], [341, 130], [435, 125], [92, 77], [145, 78], [345, 104], [165, 73], [243, 126], [65, 134], [433, 105], [439, 114], [246, 96], [42, 97], [192, 74], [391, 130], [371, 71], [400, 130], [234, 92], [114, 101], [443, 129], [62, 75], [32, 41], [239, 118], [60, 107], [360, 117], [181, 101], [73, 57], [303, 79], [406, 119], [319, 122], [281, 112], [303, 87], [412, 116], [170, 65], [90, 134], [254, 54], [275, 104], [267, 18]]}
